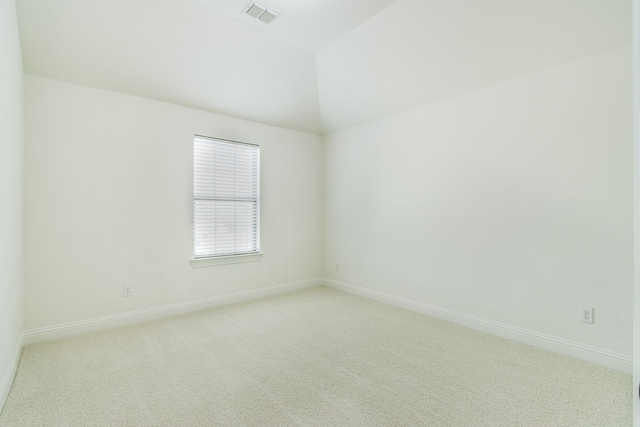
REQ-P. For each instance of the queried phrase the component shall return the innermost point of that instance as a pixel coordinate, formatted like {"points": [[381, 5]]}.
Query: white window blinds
{"points": [[226, 197]]}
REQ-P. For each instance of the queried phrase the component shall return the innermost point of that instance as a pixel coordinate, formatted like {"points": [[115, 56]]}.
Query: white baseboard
{"points": [[6, 381], [620, 362], [89, 325], [598, 356]]}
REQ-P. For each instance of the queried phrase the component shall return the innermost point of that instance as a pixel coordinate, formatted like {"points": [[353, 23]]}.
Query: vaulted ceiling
{"points": [[322, 65], [309, 24]]}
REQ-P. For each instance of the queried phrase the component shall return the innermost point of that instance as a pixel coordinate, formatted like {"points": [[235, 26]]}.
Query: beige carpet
{"points": [[317, 357]]}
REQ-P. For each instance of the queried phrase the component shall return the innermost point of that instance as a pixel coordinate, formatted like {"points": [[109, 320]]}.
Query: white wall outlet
{"points": [[337, 267], [586, 314], [127, 290]]}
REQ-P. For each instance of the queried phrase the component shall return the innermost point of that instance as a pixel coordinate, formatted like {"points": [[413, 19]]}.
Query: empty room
{"points": [[317, 213]]}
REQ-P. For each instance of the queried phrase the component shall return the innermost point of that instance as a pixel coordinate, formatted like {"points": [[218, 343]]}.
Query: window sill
{"points": [[223, 260]]}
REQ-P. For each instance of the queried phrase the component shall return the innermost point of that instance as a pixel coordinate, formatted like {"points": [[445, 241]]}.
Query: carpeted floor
{"points": [[316, 357]]}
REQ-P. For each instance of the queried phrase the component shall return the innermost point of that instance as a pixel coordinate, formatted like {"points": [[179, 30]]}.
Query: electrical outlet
{"points": [[337, 267], [586, 314], [127, 290]]}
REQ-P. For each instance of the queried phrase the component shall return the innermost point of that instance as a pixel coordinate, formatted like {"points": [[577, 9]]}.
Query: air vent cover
{"points": [[256, 10], [267, 16], [261, 12]]}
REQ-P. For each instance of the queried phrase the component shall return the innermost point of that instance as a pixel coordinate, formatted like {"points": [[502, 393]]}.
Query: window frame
{"points": [[210, 259]]}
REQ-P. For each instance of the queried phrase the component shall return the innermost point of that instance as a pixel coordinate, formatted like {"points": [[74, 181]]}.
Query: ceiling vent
{"points": [[261, 12]]}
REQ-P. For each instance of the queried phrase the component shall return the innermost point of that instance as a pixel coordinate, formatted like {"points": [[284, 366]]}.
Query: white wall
{"points": [[108, 201], [513, 203], [10, 195], [636, 137]]}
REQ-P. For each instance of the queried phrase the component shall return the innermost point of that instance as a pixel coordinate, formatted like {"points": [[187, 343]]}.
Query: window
{"points": [[226, 197]]}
